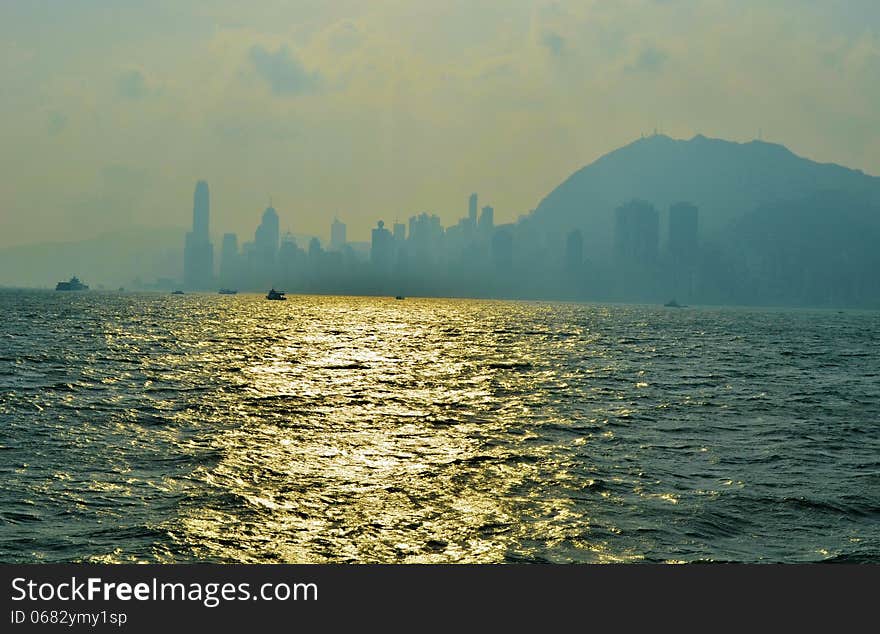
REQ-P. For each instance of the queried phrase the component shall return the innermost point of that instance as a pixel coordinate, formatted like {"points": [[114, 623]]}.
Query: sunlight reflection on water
{"points": [[228, 428]]}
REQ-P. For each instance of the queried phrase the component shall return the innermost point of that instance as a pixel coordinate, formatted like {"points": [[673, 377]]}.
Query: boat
{"points": [[674, 304], [278, 295], [399, 297], [73, 285], [227, 291], [177, 292]]}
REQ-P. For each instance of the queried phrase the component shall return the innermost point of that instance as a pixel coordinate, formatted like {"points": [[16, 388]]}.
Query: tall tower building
{"points": [[266, 237], [337, 235], [201, 211], [381, 248], [487, 219], [399, 232], [636, 230], [472, 209], [198, 252], [288, 256]]}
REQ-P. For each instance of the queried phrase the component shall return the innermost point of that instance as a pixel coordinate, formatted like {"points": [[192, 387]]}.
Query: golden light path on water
{"points": [[372, 432], [148, 427]]}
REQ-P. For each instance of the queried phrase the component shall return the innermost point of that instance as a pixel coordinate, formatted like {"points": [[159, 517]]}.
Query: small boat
{"points": [[399, 297], [278, 295], [177, 293], [674, 304], [227, 291], [73, 285]]}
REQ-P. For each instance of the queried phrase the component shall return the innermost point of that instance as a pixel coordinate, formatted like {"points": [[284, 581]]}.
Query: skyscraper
{"points": [[289, 257], [337, 235], [266, 238], [201, 210], [472, 209], [636, 228], [381, 249], [487, 220], [315, 249], [399, 232], [198, 253]]}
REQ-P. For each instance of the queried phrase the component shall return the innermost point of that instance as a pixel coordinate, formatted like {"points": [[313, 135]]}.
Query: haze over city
{"points": [[437, 282], [112, 110]]}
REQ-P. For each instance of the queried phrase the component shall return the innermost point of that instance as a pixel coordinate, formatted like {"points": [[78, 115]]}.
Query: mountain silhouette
{"points": [[726, 180]]}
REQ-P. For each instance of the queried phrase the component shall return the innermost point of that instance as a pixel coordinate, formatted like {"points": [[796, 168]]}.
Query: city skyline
{"points": [[504, 283], [705, 220], [473, 257]]}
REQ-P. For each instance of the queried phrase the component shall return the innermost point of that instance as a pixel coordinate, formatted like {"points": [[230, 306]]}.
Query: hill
{"points": [[726, 180]]}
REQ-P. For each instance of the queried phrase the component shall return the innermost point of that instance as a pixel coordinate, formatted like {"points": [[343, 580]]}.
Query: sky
{"points": [[111, 110]]}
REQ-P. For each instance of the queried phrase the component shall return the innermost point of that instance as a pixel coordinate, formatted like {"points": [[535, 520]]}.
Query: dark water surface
{"points": [[335, 429]]}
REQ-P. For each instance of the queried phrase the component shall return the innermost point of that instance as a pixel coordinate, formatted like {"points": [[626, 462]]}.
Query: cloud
{"points": [[132, 85], [509, 97], [345, 38], [650, 60], [555, 43], [285, 74]]}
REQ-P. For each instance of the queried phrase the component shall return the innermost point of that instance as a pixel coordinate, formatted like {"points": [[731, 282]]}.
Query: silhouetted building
{"points": [[316, 257], [635, 233], [574, 252], [399, 232], [502, 250], [472, 209], [683, 233], [425, 238], [198, 253], [266, 240], [290, 257], [381, 249], [315, 249], [337, 235], [201, 211], [487, 220]]}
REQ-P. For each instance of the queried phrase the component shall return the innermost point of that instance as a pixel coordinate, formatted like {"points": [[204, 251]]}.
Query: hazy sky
{"points": [[110, 110]]}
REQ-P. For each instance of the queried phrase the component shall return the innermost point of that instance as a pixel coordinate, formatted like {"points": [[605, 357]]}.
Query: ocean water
{"points": [[160, 428]]}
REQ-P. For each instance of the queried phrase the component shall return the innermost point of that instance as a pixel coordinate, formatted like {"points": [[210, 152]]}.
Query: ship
{"points": [[73, 285], [278, 295], [674, 304], [227, 291]]}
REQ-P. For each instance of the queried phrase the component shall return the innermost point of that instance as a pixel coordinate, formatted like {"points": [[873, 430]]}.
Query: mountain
{"points": [[726, 180]]}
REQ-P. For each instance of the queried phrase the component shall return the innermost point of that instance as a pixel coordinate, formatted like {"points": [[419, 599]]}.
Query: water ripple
{"points": [[333, 429]]}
